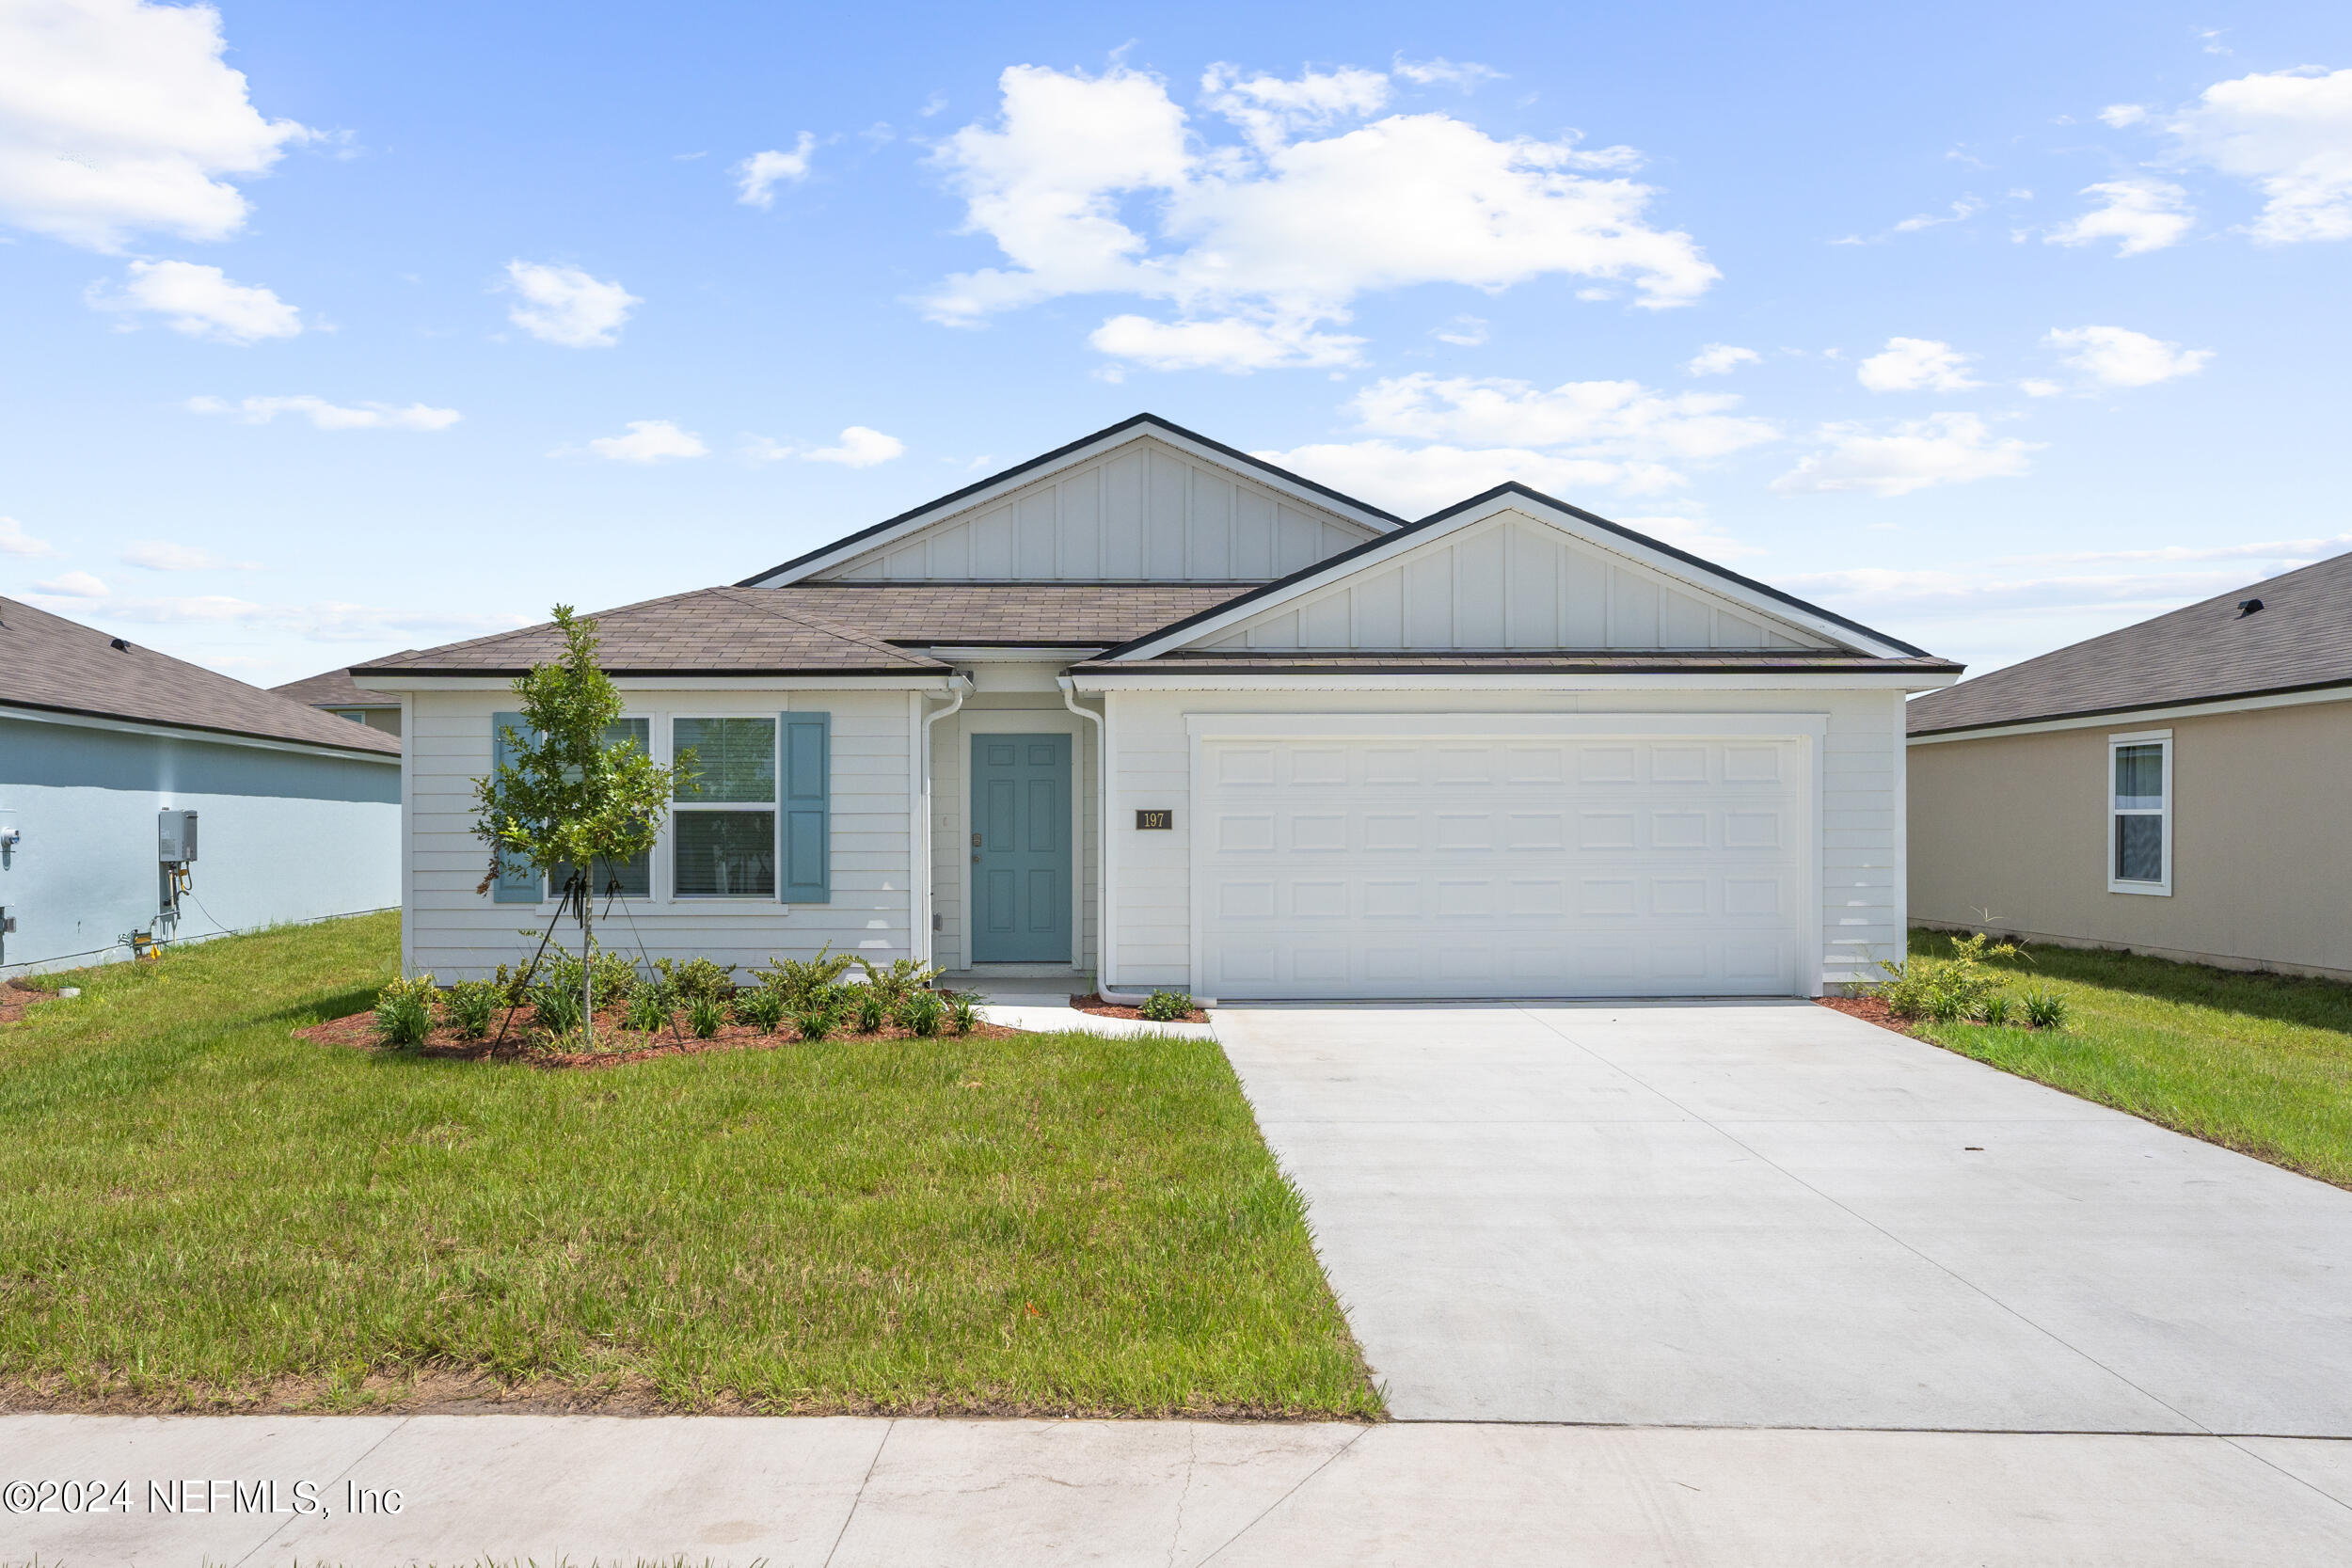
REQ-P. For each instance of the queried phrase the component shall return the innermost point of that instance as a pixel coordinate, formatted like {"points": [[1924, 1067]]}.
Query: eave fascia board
{"points": [[2108, 719], [1781, 680], [194, 733], [1127, 432], [1615, 538], [690, 680]]}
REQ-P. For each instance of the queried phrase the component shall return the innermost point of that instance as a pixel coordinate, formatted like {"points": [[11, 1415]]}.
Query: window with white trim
{"points": [[2139, 812], [722, 830]]}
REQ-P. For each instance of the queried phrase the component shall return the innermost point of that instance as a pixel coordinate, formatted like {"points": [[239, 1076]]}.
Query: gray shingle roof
{"points": [[1071, 614], [61, 666], [335, 689], [740, 631], [2301, 637]]}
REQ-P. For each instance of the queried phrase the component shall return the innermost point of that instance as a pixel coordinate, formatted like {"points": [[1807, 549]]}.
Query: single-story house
{"points": [[2176, 787], [336, 692], [1148, 709], [144, 799]]}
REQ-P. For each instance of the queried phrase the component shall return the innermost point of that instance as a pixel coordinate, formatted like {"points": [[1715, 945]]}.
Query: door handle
{"points": [[976, 857]]}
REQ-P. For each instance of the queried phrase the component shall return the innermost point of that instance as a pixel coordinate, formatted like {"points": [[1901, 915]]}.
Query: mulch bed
{"points": [[1869, 1009], [526, 1042], [1091, 1003], [14, 999]]}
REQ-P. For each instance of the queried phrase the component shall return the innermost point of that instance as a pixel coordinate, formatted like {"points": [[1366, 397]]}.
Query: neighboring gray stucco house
{"points": [[336, 692], [1152, 710], [297, 811], [2177, 788]]}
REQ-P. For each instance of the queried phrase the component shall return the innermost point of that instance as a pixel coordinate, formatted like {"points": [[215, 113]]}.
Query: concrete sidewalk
{"points": [[844, 1490]]}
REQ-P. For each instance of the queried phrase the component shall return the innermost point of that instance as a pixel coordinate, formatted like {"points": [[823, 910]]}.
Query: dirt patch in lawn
{"points": [[15, 999], [1091, 1003], [526, 1041]]}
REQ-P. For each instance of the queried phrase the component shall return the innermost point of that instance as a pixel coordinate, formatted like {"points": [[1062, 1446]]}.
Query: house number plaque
{"points": [[1147, 820]]}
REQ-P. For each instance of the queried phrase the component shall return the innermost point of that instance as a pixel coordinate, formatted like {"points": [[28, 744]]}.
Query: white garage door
{"points": [[1510, 866]]}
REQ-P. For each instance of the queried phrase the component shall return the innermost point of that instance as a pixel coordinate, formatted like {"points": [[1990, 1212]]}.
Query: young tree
{"points": [[566, 797]]}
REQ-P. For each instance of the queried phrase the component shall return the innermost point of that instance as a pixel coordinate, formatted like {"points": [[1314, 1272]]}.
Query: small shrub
{"points": [[706, 1015], [762, 1007], [1167, 1007], [816, 1017], [1945, 989], [963, 1010], [801, 979], [918, 1013], [471, 1005], [648, 1010], [2045, 1010], [900, 980], [617, 979], [403, 1012], [555, 1008], [870, 1010], [1995, 1011], [513, 985], [698, 980]]}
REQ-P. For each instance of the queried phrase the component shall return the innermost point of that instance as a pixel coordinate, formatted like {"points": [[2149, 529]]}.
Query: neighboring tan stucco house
{"points": [[1149, 710], [2177, 788], [101, 739]]}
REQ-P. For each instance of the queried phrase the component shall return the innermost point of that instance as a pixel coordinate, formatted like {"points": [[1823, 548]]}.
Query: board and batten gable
{"points": [[1510, 582], [1141, 513], [457, 933], [1855, 770]]}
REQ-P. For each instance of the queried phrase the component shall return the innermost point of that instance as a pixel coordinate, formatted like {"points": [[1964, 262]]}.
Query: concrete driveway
{"points": [[1771, 1214]]}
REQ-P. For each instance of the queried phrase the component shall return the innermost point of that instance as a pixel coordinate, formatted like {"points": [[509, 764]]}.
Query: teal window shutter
{"points": [[517, 883], [806, 808]]}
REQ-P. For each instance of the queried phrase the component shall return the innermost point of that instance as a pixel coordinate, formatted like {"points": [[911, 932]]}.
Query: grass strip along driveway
{"points": [[205, 1211], [2258, 1063]]}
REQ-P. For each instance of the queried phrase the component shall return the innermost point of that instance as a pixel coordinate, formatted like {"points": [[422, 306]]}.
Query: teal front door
{"points": [[1019, 849]]}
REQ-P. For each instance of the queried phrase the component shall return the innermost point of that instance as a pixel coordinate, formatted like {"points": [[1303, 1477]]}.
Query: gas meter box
{"points": [[176, 838]]}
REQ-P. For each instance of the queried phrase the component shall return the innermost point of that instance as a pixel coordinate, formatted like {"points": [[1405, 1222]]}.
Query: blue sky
{"points": [[333, 330]]}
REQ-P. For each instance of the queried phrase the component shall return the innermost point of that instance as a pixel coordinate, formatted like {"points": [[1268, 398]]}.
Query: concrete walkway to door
{"points": [[1771, 1214]]}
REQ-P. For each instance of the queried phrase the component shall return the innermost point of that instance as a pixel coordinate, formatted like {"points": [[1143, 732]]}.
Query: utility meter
{"points": [[176, 838]]}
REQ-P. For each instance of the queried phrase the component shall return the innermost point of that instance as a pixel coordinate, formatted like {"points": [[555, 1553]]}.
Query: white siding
{"points": [[1861, 914], [951, 811], [457, 933], [1512, 581], [1146, 513]]}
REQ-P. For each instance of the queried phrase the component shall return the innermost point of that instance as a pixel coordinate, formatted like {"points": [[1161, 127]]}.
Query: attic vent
{"points": [[2248, 607], [118, 642]]}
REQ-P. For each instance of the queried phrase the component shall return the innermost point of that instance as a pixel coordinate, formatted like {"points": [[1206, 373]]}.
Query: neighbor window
{"points": [[629, 878], [2139, 812], [723, 836], [351, 714]]}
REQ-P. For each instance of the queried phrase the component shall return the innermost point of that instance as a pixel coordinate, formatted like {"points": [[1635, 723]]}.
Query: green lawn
{"points": [[205, 1211], [2259, 1063]]}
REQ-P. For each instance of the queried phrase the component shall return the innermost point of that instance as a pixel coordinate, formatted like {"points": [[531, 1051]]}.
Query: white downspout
{"points": [[1101, 850], [957, 686]]}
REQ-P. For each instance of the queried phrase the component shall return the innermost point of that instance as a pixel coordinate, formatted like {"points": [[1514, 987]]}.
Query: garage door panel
{"points": [[1465, 868]]}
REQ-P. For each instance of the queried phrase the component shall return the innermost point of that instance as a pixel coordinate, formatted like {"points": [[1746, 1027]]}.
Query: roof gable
{"points": [[1514, 570], [1143, 502]]}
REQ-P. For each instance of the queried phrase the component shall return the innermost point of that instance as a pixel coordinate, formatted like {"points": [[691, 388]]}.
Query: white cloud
{"points": [[1915, 365], [2120, 116], [2114, 356], [2033, 387], [757, 176], [1465, 74], [2145, 214], [1721, 359], [328, 621], [329, 415], [565, 306], [2289, 132], [200, 301], [73, 585], [860, 448], [1283, 232], [1942, 449], [117, 117], [16, 542], [2286, 553], [649, 441], [1462, 331], [1233, 344], [1591, 419], [158, 555], [1413, 480], [1973, 590], [1966, 207]]}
